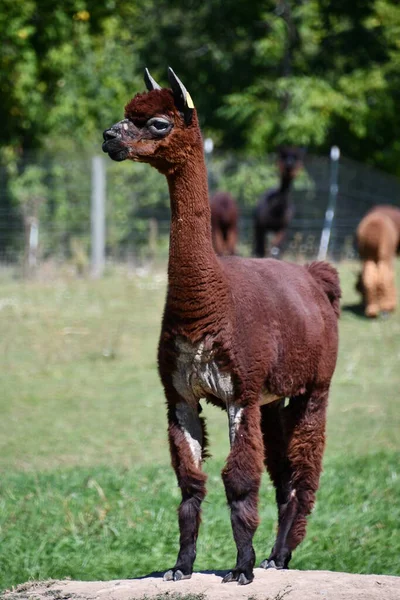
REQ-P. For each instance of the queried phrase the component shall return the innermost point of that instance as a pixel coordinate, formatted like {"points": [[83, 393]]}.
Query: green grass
{"points": [[86, 489]]}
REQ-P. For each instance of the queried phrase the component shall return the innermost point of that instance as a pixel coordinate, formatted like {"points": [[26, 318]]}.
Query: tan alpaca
{"points": [[378, 238]]}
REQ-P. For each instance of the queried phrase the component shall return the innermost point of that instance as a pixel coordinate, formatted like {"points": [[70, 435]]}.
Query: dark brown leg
{"points": [[241, 476], [294, 439], [277, 243], [259, 240], [187, 439]]}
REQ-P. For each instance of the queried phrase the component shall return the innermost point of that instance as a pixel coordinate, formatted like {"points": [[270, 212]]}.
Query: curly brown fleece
{"points": [[243, 334]]}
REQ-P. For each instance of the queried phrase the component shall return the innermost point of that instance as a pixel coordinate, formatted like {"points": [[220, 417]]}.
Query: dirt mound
{"points": [[267, 585]]}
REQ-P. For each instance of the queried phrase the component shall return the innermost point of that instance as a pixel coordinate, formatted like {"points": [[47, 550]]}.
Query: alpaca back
{"points": [[377, 237], [393, 212]]}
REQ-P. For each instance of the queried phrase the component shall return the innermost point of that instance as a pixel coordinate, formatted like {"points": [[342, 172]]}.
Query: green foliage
{"points": [[334, 83], [54, 66], [100, 73], [135, 191], [28, 189], [311, 73]]}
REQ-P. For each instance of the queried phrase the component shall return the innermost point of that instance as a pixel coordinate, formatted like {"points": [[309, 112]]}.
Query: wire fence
{"points": [[45, 208]]}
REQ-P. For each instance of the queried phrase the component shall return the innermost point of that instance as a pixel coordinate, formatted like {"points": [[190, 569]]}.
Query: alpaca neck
{"points": [[193, 265], [286, 183]]}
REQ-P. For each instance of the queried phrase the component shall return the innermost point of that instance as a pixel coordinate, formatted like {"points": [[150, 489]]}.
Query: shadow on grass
{"points": [[358, 311], [355, 309]]}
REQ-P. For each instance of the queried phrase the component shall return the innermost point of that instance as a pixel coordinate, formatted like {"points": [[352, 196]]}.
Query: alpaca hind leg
{"points": [[303, 426], [187, 439], [242, 476], [387, 286], [278, 466], [371, 293], [305, 452]]}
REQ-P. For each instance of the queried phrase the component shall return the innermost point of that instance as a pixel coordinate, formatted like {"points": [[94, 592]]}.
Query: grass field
{"points": [[86, 489]]}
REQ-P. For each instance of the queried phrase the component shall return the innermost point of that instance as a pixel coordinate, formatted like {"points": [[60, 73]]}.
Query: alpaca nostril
{"points": [[109, 134]]}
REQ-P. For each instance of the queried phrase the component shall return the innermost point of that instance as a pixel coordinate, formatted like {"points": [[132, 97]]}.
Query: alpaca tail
{"points": [[328, 279]]}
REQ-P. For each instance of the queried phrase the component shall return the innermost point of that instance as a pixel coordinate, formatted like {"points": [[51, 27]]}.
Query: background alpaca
{"points": [[274, 212], [224, 223], [378, 240], [243, 334]]}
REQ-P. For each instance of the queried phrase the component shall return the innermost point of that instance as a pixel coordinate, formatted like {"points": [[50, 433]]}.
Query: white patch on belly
{"points": [[198, 375], [189, 421], [234, 416]]}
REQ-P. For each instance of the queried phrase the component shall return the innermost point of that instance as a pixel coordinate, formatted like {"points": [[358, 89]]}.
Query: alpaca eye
{"points": [[158, 125]]}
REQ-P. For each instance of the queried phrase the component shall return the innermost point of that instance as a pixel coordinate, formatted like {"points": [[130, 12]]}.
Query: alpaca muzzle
{"points": [[114, 144]]}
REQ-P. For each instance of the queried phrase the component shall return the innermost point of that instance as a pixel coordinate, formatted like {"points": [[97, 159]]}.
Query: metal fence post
{"points": [[208, 150], [98, 220], [330, 211]]}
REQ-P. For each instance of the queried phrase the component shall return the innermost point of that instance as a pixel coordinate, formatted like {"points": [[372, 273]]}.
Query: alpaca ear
{"points": [[182, 98], [151, 83]]}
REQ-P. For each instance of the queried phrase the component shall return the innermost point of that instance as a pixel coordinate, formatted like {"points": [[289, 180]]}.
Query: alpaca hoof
{"points": [[269, 564], [175, 575], [238, 576], [277, 561], [372, 312], [228, 578], [243, 579], [274, 251]]}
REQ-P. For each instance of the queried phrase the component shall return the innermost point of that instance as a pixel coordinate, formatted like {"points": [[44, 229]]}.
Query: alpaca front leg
{"points": [[259, 241], [231, 241], [218, 241], [370, 278], [242, 476], [187, 444], [277, 243]]}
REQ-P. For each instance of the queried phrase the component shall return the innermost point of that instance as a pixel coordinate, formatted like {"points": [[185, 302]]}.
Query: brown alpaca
{"points": [[224, 223], [378, 240], [274, 211], [243, 334]]}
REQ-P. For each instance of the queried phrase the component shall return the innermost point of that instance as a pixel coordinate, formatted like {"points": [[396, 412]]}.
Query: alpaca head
{"points": [[160, 127], [290, 160]]}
